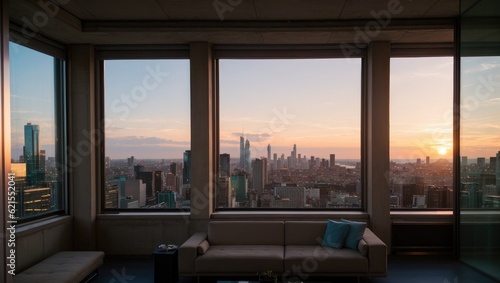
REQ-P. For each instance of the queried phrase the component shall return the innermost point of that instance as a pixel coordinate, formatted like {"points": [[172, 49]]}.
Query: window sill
{"points": [[289, 215], [420, 217], [144, 215], [26, 229]]}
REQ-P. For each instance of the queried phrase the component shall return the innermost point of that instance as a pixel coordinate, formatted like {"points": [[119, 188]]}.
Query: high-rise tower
{"points": [[248, 164], [269, 156], [31, 152], [242, 153], [186, 168], [225, 170]]}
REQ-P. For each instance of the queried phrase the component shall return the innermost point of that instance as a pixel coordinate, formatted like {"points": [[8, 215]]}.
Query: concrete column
{"points": [[377, 150], [82, 145], [202, 131], [5, 132]]}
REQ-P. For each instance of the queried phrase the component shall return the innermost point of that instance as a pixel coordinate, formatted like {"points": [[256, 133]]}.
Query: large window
{"points": [[147, 130], [421, 133], [37, 115], [290, 133]]}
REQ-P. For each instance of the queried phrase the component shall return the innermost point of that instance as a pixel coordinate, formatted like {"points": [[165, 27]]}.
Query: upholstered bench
{"points": [[63, 267]]}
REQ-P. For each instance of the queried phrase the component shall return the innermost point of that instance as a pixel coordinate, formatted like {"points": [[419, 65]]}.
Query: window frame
{"points": [[126, 52], [58, 52], [291, 51], [424, 50]]}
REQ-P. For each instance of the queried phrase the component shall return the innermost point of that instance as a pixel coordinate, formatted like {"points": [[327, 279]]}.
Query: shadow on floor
{"points": [[407, 269]]}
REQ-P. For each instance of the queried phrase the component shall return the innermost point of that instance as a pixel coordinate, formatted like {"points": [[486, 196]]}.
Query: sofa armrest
{"points": [[189, 251], [377, 253]]}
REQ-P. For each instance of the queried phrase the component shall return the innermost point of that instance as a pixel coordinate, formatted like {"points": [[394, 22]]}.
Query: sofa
{"points": [[289, 248]]}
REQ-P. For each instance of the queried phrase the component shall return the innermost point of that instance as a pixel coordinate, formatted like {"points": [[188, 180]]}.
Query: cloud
{"points": [[230, 141], [142, 141], [254, 137]]}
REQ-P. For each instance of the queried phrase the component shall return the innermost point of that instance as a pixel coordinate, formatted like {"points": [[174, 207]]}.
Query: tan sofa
{"points": [[289, 248]]}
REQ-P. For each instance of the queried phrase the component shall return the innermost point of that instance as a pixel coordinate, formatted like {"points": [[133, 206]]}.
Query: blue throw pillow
{"points": [[355, 233], [335, 234]]}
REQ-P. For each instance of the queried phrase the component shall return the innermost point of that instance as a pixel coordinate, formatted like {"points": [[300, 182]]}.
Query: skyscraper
{"points": [[259, 173], [481, 162], [248, 163], [224, 162], [31, 152], [332, 160], [242, 153], [186, 168], [294, 156], [158, 181], [427, 160], [269, 156]]}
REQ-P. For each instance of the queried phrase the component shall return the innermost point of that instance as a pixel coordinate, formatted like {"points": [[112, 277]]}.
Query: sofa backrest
{"points": [[304, 232], [246, 233]]}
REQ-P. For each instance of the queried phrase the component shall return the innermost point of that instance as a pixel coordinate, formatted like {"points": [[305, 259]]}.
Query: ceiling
{"points": [[239, 21]]}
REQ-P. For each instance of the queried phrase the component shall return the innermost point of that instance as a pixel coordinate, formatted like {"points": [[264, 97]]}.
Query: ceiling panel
{"points": [[443, 9], [208, 10], [223, 37], [427, 36], [298, 9], [320, 37], [122, 9], [367, 9]]}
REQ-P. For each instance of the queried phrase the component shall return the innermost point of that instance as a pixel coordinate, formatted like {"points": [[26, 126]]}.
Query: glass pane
{"points": [[34, 127], [421, 130], [479, 186], [290, 133], [147, 129]]}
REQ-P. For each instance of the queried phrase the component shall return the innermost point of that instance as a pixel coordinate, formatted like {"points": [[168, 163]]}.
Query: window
{"points": [[147, 134], [290, 133], [421, 133], [479, 147], [37, 118]]}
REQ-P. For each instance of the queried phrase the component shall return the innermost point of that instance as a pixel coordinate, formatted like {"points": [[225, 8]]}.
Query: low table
{"points": [[166, 266]]}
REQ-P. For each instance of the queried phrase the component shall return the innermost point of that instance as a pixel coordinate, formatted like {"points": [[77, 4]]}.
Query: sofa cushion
{"points": [[203, 247], [355, 233], [318, 259], [240, 259], [63, 267], [304, 232], [246, 233], [335, 234]]}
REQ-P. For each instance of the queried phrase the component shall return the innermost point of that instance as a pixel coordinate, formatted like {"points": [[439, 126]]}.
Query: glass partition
{"points": [[479, 195]]}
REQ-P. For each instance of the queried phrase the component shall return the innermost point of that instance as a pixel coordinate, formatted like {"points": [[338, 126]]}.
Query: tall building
{"points": [[147, 178], [223, 193], [259, 174], [248, 163], [493, 164], [130, 161], [239, 184], [269, 156], [173, 168], [427, 160], [464, 161], [225, 165], [32, 153], [186, 168], [242, 153], [158, 181], [332, 160], [294, 157], [168, 198], [481, 162]]}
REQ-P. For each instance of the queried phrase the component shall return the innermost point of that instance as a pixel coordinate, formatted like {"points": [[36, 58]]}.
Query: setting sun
{"points": [[442, 150]]}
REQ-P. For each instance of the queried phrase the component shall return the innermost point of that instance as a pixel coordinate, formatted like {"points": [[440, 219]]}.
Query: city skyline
{"points": [[149, 134]]}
